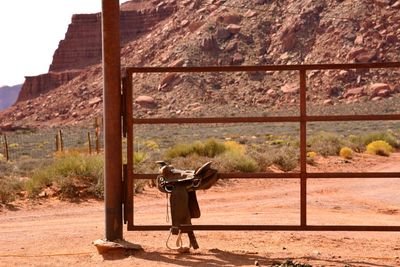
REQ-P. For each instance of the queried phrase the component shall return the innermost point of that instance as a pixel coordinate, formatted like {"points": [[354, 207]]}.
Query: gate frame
{"points": [[303, 119]]}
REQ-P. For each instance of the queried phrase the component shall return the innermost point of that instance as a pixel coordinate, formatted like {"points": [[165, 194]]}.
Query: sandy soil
{"points": [[56, 233]]}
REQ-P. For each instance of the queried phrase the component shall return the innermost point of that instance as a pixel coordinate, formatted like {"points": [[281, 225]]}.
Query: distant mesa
{"points": [[8, 95]]}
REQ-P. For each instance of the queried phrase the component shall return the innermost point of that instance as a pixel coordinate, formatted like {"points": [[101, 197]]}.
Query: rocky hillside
{"points": [[230, 32], [8, 95]]}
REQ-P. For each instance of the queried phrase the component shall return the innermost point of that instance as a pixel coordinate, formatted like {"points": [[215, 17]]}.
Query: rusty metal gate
{"points": [[302, 119]]}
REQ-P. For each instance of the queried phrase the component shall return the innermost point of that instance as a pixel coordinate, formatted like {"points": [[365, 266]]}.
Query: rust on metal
{"points": [[131, 70], [303, 149], [215, 120], [112, 119], [252, 227], [302, 119], [128, 133]]}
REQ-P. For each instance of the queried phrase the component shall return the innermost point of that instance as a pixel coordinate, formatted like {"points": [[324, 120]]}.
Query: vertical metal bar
{"points": [[303, 149], [112, 119], [129, 135]]}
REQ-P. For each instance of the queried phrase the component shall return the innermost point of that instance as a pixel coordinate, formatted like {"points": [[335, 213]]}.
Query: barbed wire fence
{"points": [[44, 143]]}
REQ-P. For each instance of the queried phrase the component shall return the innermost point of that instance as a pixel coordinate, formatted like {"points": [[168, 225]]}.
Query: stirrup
{"points": [[179, 244]]}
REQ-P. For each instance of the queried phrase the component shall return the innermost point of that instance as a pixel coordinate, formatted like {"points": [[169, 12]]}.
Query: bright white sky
{"points": [[30, 31]]}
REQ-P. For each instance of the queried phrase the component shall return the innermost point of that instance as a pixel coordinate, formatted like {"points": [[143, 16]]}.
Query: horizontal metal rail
{"points": [[291, 175], [252, 227], [305, 67], [266, 119]]}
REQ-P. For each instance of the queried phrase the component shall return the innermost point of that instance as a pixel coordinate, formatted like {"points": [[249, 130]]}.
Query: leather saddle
{"points": [[182, 186]]}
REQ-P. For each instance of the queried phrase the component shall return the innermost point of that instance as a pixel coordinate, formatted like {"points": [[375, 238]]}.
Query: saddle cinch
{"points": [[182, 186]]}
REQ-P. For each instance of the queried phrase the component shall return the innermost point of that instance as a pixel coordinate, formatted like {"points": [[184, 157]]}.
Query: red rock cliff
{"points": [[82, 44], [36, 85]]}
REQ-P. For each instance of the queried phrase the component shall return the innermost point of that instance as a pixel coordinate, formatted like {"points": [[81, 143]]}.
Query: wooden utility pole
{"points": [[112, 119]]}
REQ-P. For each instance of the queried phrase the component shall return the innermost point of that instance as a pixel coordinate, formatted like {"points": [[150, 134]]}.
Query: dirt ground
{"points": [[57, 233]]}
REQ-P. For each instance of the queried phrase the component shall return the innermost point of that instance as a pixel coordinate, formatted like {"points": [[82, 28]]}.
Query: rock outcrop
{"points": [[36, 85], [82, 44]]}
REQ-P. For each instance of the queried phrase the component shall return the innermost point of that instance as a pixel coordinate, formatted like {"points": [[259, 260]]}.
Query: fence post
{"points": [[97, 133], [6, 152], [61, 140], [89, 143], [112, 119], [57, 143]]}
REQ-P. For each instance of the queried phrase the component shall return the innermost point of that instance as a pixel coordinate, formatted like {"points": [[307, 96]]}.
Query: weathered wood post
{"points": [[57, 143], [97, 134], [6, 152], [89, 143], [112, 119], [60, 138]]}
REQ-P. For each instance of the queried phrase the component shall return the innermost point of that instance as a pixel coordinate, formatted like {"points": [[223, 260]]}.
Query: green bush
{"points": [[356, 143], [346, 152], [67, 172], [9, 187], [311, 155], [380, 148], [387, 136], [326, 144], [210, 148], [263, 157], [139, 157], [233, 161], [286, 158], [6, 168]]}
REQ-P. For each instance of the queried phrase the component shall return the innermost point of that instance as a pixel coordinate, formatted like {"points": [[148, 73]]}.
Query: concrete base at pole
{"points": [[104, 246]]}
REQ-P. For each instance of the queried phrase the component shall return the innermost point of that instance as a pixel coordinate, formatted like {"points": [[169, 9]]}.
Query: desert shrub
{"points": [[139, 185], [179, 150], [67, 172], [263, 158], [346, 152], [356, 143], [232, 161], [209, 148], [40, 179], [325, 144], [311, 157], [25, 165], [380, 148], [190, 162], [286, 158], [6, 168], [68, 187], [235, 147], [9, 187], [387, 136], [150, 144], [139, 157]]}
